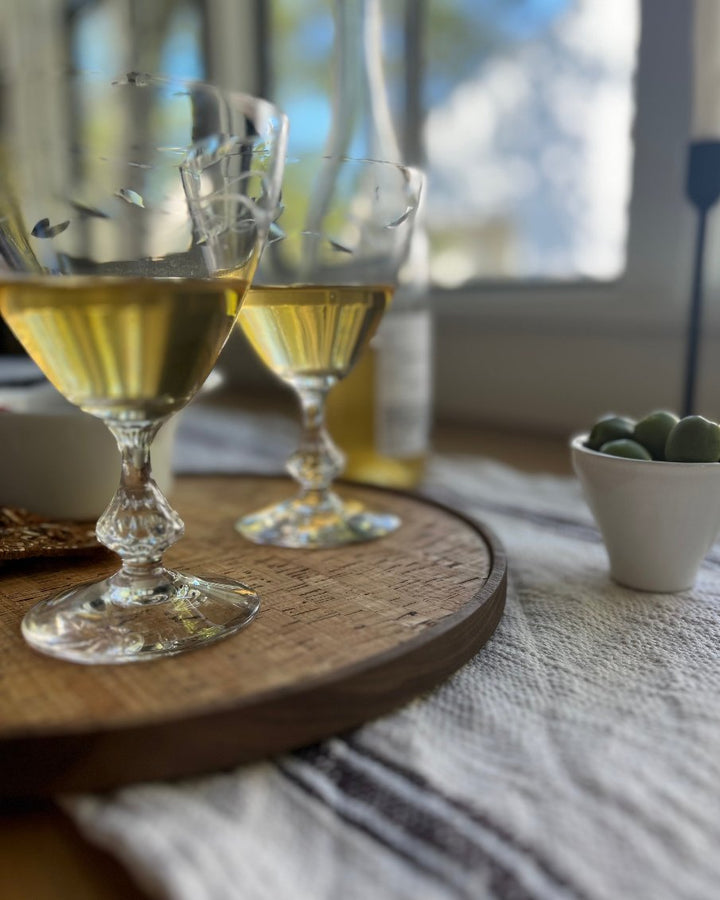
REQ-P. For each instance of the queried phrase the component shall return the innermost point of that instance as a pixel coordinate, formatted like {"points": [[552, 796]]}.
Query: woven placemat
{"points": [[341, 638], [24, 534]]}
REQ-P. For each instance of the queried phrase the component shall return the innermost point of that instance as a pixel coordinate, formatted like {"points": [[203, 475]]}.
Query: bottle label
{"points": [[404, 383]]}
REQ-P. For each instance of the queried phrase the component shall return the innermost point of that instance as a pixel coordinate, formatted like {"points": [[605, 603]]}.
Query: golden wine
{"points": [[306, 331], [128, 349], [353, 418], [380, 415]]}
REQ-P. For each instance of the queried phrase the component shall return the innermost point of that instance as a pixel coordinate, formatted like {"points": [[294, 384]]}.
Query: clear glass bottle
{"points": [[380, 415]]}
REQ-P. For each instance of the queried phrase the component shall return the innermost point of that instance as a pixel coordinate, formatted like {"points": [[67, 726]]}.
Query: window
{"points": [[528, 137], [526, 110], [555, 135]]}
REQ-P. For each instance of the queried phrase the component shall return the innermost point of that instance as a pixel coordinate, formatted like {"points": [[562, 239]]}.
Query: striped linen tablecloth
{"points": [[576, 756]]}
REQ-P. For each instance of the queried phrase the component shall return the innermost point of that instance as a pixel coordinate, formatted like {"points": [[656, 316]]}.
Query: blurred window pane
{"points": [[527, 106], [167, 37], [301, 38], [529, 110]]}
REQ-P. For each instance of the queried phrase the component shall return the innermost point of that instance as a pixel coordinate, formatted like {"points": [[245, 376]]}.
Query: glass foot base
{"points": [[122, 620], [306, 523]]}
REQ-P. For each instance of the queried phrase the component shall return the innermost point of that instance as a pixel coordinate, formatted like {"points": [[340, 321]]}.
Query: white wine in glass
{"points": [[312, 331], [131, 224], [321, 290], [128, 349]]}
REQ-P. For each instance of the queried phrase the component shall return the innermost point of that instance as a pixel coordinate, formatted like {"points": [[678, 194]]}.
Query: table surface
{"points": [[42, 855]]}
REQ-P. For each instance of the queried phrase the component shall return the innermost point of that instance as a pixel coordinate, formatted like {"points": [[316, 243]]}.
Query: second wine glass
{"points": [[324, 282]]}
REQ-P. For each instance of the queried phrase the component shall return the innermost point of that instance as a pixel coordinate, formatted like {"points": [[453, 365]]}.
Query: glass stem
{"points": [[317, 460], [139, 524]]}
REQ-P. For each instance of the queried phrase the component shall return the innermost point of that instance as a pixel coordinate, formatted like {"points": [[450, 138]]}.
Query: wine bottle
{"points": [[380, 414]]}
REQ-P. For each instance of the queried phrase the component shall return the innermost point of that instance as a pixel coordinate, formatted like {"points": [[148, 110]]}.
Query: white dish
{"points": [[66, 465], [658, 519]]}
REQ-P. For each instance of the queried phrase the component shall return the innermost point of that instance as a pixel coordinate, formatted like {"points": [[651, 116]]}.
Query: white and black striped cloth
{"points": [[576, 756]]}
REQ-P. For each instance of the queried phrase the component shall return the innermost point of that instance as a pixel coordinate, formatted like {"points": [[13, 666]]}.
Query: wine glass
{"points": [[132, 213], [324, 281]]}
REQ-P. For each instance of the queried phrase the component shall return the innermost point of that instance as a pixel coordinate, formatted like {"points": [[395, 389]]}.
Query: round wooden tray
{"points": [[343, 636]]}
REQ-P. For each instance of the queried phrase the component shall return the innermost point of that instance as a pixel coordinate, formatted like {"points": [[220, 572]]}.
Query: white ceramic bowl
{"points": [[658, 519], [60, 462]]}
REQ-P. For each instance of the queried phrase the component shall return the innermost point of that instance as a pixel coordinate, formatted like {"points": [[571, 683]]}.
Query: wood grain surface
{"points": [[342, 637]]}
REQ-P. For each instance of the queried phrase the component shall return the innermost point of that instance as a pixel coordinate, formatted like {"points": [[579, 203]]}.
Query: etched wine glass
{"points": [[132, 214], [323, 283]]}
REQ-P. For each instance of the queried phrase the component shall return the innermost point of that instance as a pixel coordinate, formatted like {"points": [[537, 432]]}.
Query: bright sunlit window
{"points": [[528, 113], [528, 137]]}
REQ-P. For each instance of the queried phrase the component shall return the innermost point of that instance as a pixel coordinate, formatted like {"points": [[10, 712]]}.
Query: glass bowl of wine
{"points": [[324, 280], [132, 214]]}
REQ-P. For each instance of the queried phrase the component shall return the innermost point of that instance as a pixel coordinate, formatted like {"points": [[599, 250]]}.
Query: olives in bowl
{"points": [[661, 435], [653, 486]]}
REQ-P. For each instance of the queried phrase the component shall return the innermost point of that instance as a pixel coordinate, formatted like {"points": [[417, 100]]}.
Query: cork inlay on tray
{"points": [[342, 636]]}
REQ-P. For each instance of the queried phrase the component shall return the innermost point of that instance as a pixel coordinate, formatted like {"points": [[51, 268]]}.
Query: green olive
{"points": [[652, 431], [693, 439], [610, 428], [625, 447]]}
